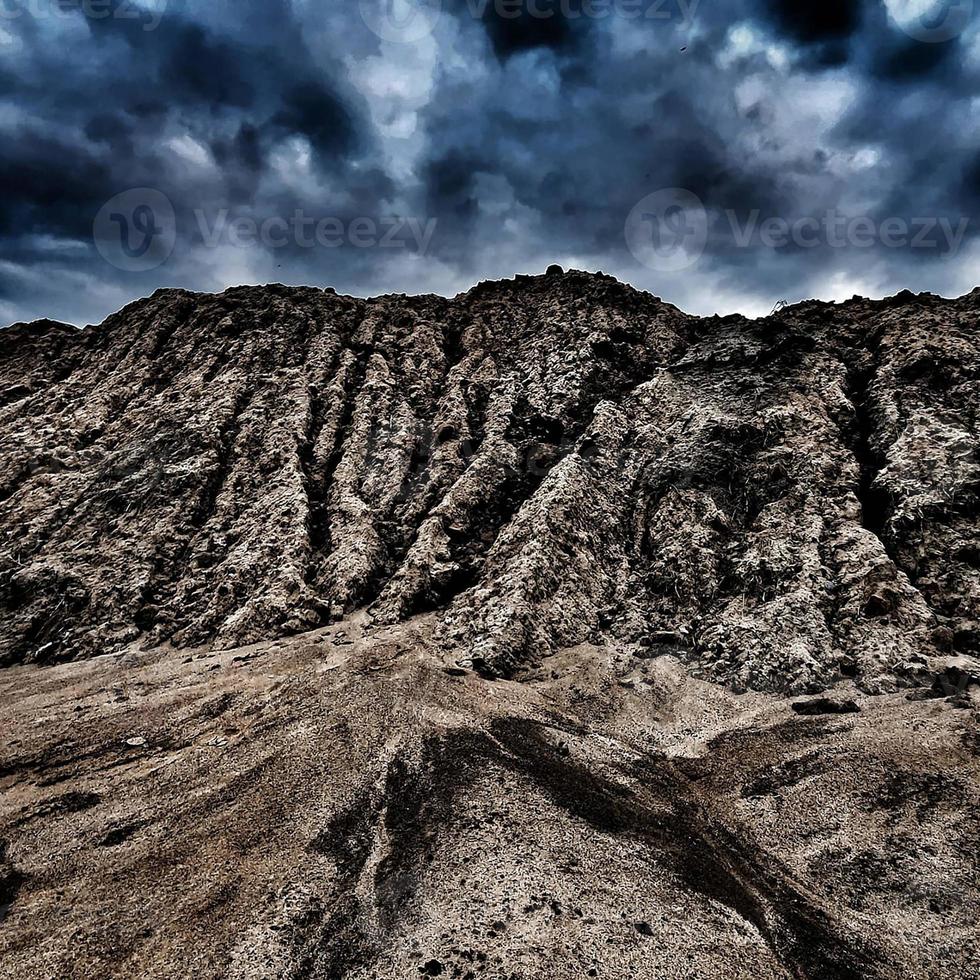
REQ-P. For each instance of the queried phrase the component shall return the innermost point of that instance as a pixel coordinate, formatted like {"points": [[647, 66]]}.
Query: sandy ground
{"points": [[349, 804]]}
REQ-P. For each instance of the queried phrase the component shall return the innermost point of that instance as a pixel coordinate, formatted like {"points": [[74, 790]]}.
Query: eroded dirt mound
{"points": [[541, 462], [516, 534]]}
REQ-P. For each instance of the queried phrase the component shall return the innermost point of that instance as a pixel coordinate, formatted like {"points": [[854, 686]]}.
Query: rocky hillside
{"points": [[538, 463], [452, 638]]}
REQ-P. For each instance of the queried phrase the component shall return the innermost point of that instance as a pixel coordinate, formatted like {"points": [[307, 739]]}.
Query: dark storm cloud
{"points": [[549, 24], [97, 105], [270, 77], [528, 133], [831, 114], [314, 111], [816, 21], [42, 192], [450, 180], [905, 59], [242, 158], [822, 28]]}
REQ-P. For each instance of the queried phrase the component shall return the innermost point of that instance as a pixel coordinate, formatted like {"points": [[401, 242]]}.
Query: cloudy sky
{"points": [[723, 155]]}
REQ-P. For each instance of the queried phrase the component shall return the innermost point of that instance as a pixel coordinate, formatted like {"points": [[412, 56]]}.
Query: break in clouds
{"points": [[725, 156]]}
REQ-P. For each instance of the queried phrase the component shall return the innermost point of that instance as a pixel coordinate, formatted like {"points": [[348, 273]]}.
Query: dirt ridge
{"points": [[543, 461]]}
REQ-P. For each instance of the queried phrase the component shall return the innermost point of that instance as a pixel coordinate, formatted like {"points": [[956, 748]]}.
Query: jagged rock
{"points": [[954, 676], [539, 462], [826, 706], [672, 637]]}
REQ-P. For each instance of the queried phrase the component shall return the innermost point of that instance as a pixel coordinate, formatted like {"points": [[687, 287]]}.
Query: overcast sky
{"points": [[723, 155]]}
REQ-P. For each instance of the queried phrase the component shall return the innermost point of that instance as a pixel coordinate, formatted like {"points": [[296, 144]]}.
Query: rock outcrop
{"points": [[541, 462]]}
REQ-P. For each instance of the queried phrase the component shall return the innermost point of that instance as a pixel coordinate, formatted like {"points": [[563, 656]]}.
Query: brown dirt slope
{"points": [[342, 805]]}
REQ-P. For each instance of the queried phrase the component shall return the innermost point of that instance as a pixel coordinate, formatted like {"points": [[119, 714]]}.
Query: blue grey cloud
{"points": [[832, 146]]}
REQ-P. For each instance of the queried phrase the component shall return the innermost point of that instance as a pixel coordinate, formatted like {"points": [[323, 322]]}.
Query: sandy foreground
{"points": [[348, 803]]}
